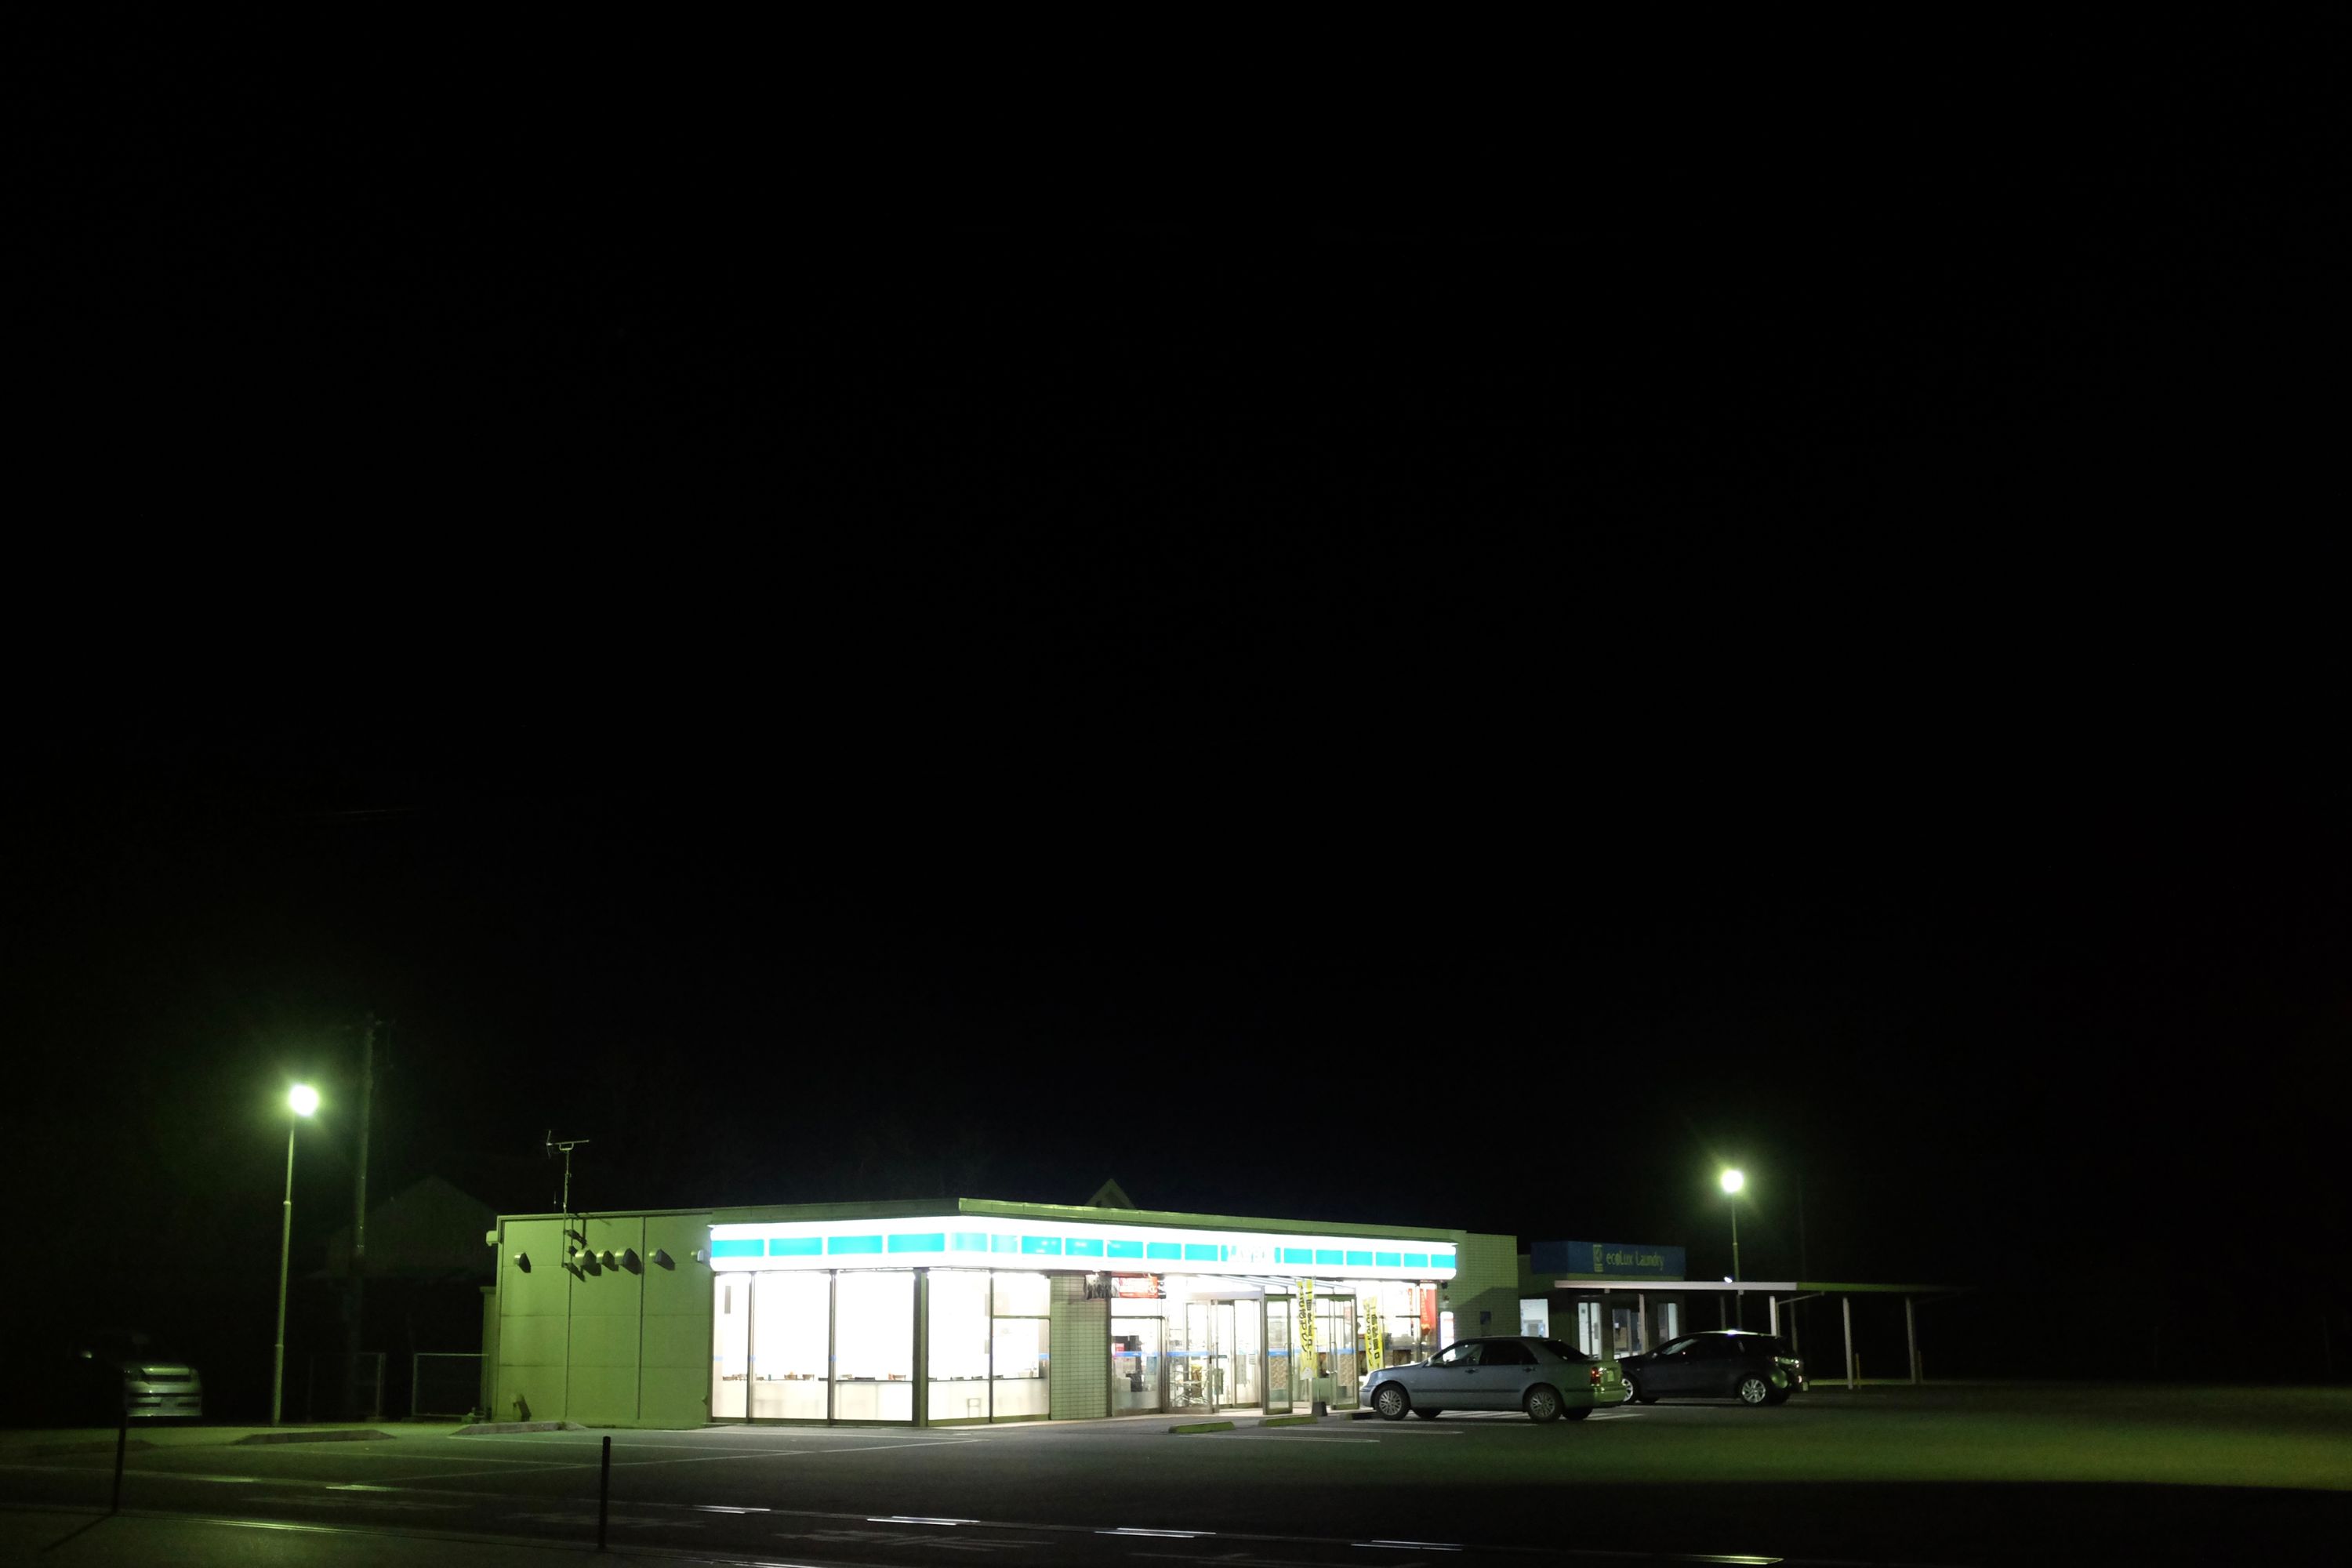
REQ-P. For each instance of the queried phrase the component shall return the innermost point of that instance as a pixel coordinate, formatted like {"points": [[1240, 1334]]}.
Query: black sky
{"points": [[1378, 666]]}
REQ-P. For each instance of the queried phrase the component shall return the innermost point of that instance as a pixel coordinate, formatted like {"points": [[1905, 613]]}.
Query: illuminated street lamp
{"points": [[301, 1100], [1732, 1182]]}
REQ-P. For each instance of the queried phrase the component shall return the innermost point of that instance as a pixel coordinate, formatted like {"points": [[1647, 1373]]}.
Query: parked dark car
{"points": [[1720, 1364]]}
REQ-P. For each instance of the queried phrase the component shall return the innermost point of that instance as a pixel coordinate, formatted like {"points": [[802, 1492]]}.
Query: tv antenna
{"points": [[567, 1145]]}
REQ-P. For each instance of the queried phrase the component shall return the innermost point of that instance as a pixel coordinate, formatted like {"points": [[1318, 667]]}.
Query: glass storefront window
{"points": [[959, 1346], [731, 1338], [788, 1319], [874, 1346], [1024, 1296], [1022, 1344], [1408, 1313]]}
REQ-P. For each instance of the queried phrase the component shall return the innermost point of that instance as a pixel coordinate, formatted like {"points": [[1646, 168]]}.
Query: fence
{"points": [[445, 1384]]}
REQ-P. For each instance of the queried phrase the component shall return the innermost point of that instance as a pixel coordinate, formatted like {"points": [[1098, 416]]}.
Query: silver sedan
{"points": [[1546, 1378]]}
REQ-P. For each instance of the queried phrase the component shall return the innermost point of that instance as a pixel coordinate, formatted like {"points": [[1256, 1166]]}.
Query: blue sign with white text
{"points": [[1608, 1259]]}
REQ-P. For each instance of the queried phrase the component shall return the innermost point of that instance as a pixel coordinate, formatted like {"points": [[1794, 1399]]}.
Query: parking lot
{"points": [[1933, 1475]]}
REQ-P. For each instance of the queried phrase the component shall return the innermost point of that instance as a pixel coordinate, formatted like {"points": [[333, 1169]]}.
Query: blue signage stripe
{"points": [[1126, 1249], [1202, 1252], [1162, 1250], [968, 1241], [844, 1244], [1327, 1255], [1080, 1246], [1387, 1260], [794, 1246], [1049, 1245], [735, 1248], [926, 1241], [1003, 1243], [1441, 1261], [1297, 1254], [1416, 1260]]}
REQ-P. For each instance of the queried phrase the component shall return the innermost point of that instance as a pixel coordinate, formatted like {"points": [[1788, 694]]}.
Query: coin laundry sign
{"points": [[1607, 1260]]}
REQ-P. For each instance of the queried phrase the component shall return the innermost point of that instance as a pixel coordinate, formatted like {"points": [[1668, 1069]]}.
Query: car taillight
{"points": [[1595, 1372]]}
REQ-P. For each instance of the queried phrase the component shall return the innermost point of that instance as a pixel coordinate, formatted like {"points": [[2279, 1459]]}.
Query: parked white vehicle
{"points": [[1546, 1378]]}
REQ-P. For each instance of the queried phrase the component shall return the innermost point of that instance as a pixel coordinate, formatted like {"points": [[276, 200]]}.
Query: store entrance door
{"points": [[1196, 1362], [1247, 1335], [1336, 1348], [1137, 1382]]}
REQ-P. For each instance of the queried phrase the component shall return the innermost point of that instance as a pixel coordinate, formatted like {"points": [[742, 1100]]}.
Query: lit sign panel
{"points": [[974, 1241], [1632, 1260]]}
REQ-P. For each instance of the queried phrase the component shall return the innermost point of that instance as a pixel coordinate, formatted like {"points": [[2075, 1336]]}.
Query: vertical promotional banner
{"points": [[1306, 1326]]}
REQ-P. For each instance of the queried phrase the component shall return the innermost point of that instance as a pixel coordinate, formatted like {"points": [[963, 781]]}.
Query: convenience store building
{"points": [[936, 1312]]}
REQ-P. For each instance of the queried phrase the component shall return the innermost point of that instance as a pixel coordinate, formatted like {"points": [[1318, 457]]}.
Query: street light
{"points": [[302, 1099], [1732, 1182]]}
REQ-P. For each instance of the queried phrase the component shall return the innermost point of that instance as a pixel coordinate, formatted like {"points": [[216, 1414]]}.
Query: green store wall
{"points": [[627, 1344]]}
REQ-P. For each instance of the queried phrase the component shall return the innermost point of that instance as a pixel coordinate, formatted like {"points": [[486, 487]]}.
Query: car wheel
{"points": [[1427, 1414], [1754, 1389], [1634, 1392], [1391, 1401], [1542, 1403]]}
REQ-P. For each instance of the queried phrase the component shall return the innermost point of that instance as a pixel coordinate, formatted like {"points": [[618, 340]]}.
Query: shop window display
{"points": [[874, 1347], [789, 1317], [958, 1348]]}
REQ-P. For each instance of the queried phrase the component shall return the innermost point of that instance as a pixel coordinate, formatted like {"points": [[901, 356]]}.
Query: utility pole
{"points": [[354, 1337], [572, 1271]]}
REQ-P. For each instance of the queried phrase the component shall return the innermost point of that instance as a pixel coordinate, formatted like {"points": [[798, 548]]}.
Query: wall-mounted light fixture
{"points": [[698, 1255], [522, 1262], [661, 1259]]}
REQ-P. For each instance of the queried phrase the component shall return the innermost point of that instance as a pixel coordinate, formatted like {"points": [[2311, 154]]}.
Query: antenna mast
{"points": [[567, 1145]]}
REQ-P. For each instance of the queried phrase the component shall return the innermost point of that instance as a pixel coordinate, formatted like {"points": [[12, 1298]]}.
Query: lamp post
{"points": [[301, 1100], [1732, 1182]]}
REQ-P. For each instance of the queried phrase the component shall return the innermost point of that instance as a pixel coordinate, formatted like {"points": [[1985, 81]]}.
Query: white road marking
{"points": [[590, 1464], [1407, 1545], [1167, 1534]]}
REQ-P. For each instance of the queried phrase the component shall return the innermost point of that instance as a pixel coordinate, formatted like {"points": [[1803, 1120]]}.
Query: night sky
{"points": [[1389, 665]]}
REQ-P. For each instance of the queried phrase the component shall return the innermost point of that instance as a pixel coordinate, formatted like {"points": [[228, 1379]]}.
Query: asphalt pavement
{"points": [[1942, 1475]]}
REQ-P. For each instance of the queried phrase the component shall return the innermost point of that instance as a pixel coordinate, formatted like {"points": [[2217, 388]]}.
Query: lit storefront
{"points": [[1198, 1319], [968, 1310]]}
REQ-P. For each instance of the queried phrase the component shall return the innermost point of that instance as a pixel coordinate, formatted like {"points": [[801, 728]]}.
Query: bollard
{"points": [[122, 1441], [604, 1490]]}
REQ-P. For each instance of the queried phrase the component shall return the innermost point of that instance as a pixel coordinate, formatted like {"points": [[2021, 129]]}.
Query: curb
{"points": [[1287, 1421], [494, 1428], [102, 1445], [1205, 1426], [336, 1437]]}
